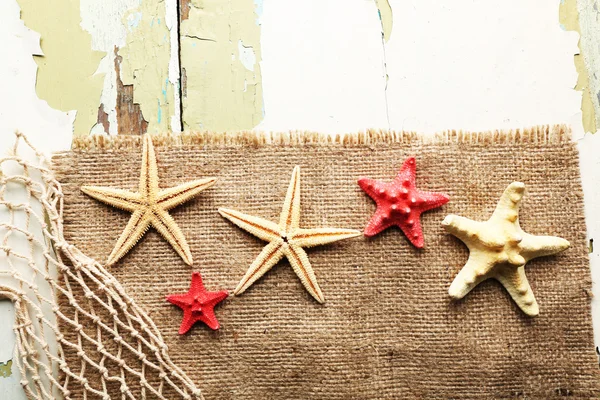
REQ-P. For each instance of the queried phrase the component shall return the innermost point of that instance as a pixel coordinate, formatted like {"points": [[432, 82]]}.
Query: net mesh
{"points": [[67, 303]]}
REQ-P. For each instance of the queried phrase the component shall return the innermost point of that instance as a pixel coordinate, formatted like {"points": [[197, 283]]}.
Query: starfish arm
{"points": [[135, 229], [413, 232], [267, 258], [180, 300], [196, 286], [378, 223], [189, 319], [431, 200], [167, 227], [515, 282], [172, 197], [209, 318], [537, 246], [475, 271], [463, 228], [214, 298], [290, 214], [123, 199], [320, 236], [371, 187], [149, 170], [508, 205], [301, 265], [259, 227], [408, 172]]}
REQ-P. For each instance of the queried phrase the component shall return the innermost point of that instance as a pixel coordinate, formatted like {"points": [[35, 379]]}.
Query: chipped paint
{"points": [[569, 20], [386, 17], [246, 55], [258, 9], [68, 75], [108, 31], [146, 57], [589, 24], [220, 52], [184, 9], [129, 114], [6, 369], [133, 20]]}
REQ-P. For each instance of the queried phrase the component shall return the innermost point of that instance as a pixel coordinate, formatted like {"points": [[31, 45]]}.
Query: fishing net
{"points": [[69, 305]]}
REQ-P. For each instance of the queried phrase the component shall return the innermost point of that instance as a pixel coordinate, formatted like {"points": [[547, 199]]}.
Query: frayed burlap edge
{"points": [[537, 135]]}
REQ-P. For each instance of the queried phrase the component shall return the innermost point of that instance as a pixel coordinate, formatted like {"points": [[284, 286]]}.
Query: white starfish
{"points": [[286, 239], [499, 249], [149, 206]]}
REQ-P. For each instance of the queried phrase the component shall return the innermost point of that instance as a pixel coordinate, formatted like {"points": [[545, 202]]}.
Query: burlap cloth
{"points": [[388, 329]]}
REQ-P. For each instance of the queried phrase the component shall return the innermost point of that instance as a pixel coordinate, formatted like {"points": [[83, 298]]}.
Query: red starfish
{"points": [[197, 304], [400, 203]]}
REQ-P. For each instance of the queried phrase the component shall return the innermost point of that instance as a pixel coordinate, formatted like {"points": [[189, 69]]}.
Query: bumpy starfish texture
{"points": [[400, 203], [499, 249], [286, 239], [197, 305], [149, 206]]}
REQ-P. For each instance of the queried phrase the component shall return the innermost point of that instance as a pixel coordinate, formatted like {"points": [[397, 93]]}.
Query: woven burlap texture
{"points": [[388, 329]]}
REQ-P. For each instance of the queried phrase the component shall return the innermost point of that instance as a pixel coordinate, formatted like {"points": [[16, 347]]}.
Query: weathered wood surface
{"points": [[134, 66]]}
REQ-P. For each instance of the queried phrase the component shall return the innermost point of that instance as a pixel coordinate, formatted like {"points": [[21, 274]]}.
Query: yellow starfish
{"points": [[499, 249], [285, 239], [149, 206]]}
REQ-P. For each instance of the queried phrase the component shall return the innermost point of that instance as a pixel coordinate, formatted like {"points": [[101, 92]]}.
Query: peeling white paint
{"points": [[589, 26], [109, 94], [20, 108], [322, 64], [133, 20], [172, 21], [104, 22], [247, 56], [480, 65], [258, 4]]}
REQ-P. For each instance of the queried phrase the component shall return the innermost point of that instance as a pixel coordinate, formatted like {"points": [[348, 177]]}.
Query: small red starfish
{"points": [[400, 203], [197, 304]]}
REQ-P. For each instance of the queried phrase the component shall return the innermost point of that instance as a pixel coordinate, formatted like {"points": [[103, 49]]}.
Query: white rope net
{"points": [[78, 334]]}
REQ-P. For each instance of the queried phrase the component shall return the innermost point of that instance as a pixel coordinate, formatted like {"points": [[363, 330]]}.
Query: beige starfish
{"points": [[499, 249], [285, 239], [149, 206]]}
